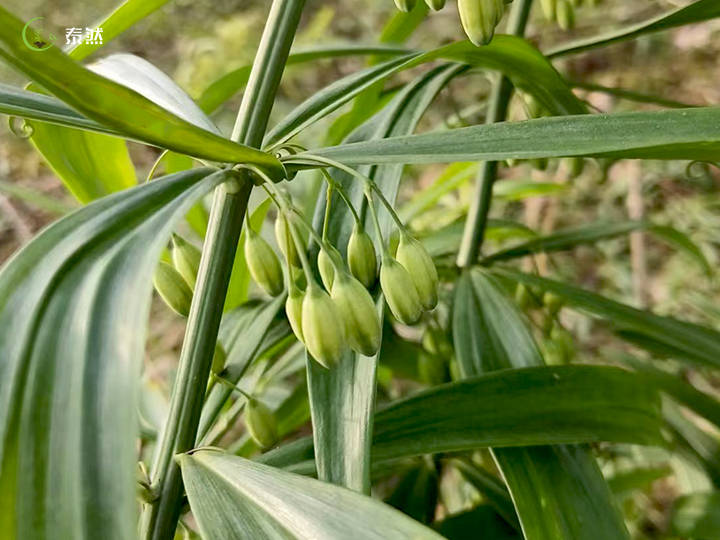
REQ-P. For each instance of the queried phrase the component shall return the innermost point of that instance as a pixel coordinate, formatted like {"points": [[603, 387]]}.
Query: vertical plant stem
{"points": [[500, 98], [226, 221]]}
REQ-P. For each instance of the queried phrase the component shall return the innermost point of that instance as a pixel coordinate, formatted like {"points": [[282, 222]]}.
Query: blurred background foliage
{"points": [[197, 41]]}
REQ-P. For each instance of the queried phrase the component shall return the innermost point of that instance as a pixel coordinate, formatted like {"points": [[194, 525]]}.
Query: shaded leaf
{"points": [[688, 341], [81, 291], [697, 515], [692, 134]]}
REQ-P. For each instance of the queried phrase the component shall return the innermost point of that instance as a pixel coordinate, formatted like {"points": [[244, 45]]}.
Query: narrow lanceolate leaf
{"points": [[140, 75], [558, 491], [342, 399], [702, 10], [118, 107], [81, 291], [520, 407], [510, 55], [115, 23], [540, 405], [678, 134], [18, 102], [232, 497], [684, 340]]}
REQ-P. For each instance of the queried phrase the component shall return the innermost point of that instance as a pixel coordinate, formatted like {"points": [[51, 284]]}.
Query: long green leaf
{"points": [[342, 399], [232, 497], [520, 407], [511, 55], [702, 10], [73, 310], [692, 134], [558, 491], [690, 341], [118, 107]]}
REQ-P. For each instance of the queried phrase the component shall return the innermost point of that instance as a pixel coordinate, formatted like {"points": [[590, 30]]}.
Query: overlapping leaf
{"points": [[685, 340], [558, 491], [232, 497], [73, 310], [118, 107]]}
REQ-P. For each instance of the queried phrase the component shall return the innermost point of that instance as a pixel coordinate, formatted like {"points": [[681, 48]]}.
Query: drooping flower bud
{"points": [[261, 423], [361, 257], [405, 5], [322, 327], [417, 261], [285, 242], [357, 309], [565, 14], [293, 310], [553, 303], [186, 258], [172, 288], [548, 8], [479, 19], [263, 264], [326, 267], [400, 292]]}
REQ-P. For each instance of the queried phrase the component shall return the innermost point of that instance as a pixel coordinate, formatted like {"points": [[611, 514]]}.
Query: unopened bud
{"points": [[405, 5], [322, 327], [435, 5], [326, 267], [357, 309], [417, 261], [553, 303], [293, 310], [263, 264], [261, 423], [186, 258], [565, 15], [479, 18], [285, 242], [361, 257], [400, 293], [172, 288]]}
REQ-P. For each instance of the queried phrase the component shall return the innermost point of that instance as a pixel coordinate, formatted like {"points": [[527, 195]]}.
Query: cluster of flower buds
{"points": [[337, 312], [175, 282], [478, 17], [558, 347]]}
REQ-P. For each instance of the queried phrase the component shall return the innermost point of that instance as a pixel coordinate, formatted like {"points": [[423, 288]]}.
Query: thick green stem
{"points": [[502, 91], [226, 221]]}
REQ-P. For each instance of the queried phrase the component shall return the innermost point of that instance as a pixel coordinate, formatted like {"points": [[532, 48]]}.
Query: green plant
{"points": [[503, 405]]}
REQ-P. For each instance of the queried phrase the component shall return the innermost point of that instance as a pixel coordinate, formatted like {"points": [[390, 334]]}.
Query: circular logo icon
{"points": [[33, 40]]}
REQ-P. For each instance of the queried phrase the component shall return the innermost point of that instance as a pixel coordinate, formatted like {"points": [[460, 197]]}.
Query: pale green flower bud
{"points": [[285, 242], [361, 257], [261, 423], [186, 258], [293, 310], [400, 293], [405, 5], [565, 15], [322, 327], [417, 261], [326, 267], [357, 309], [263, 264], [435, 5], [479, 18], [172, 288]]}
